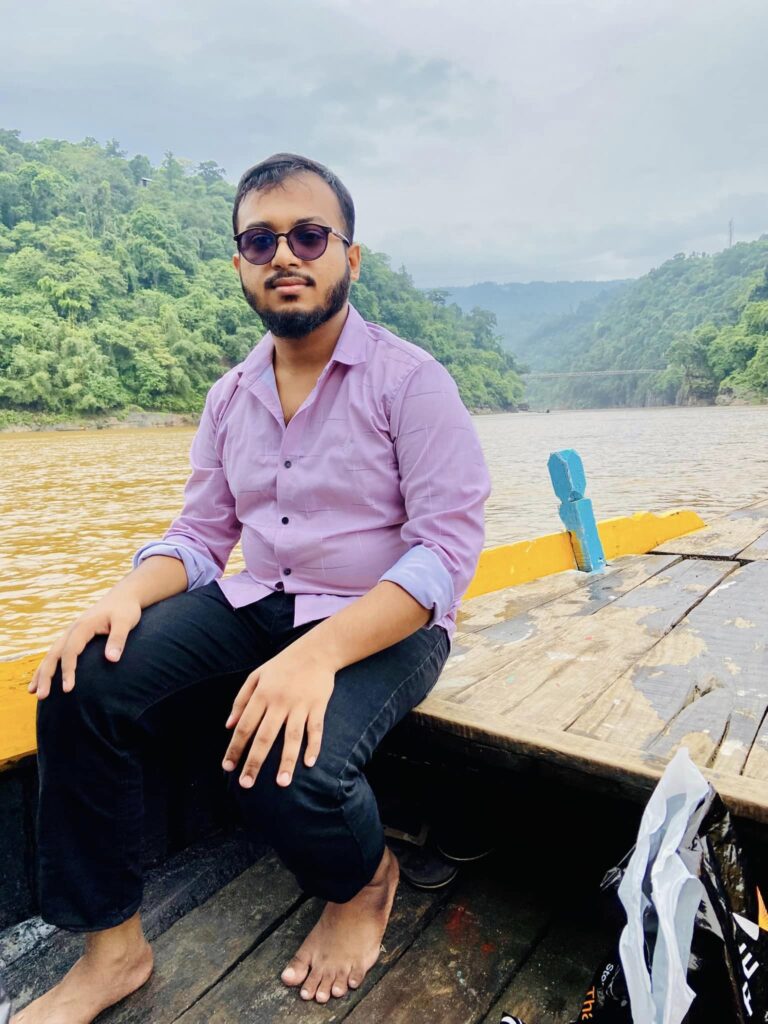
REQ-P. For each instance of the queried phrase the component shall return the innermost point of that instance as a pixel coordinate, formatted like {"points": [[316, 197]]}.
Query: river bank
{"points": [[136, 419], [140, 418]]}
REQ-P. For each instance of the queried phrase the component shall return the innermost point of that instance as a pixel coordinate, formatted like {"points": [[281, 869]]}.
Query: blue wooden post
{"points": [[566, 471]]}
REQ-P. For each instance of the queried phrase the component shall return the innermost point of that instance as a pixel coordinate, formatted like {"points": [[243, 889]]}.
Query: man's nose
{"points": [[284, 255]]}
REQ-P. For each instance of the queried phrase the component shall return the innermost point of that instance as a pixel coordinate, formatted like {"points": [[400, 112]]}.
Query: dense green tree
{"points": [[210, 172], [172, 171], [117, 289], [700, 320], [140, 167]]}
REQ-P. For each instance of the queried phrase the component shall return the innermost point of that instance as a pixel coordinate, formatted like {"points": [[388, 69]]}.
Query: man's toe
{"points": [[324, 988], [296, 971], [340, 984], [356, 975], [309, 988]]}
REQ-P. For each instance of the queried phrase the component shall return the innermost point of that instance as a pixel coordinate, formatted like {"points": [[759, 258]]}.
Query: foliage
{"points": [[117, 289], [700, 321]]}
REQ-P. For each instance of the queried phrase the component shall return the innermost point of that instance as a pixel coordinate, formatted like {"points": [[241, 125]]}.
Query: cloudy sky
{"points": [[506, 140]]}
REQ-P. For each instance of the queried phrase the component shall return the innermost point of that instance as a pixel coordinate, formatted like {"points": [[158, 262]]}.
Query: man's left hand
{"points": [[291, 689]]}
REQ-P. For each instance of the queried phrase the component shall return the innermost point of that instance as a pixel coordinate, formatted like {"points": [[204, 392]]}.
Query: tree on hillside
{"points": [[210, 172], [117, 288]]}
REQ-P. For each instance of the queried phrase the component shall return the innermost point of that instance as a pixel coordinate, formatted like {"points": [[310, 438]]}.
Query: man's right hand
{"points": [[116, 614]]}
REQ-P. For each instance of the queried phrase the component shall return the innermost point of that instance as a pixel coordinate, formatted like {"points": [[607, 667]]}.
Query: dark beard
{"points": [[296, 323]]}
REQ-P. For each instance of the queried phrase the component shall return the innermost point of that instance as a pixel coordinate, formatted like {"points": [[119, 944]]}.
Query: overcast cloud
{"points": [[505, 140]]}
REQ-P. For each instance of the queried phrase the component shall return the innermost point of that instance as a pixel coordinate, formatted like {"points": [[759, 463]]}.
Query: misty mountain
{"points": [[522, 310]]}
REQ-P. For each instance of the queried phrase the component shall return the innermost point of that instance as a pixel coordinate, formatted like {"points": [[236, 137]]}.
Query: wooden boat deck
{"points": [[517, 932], [610, 673], [601, 677]]}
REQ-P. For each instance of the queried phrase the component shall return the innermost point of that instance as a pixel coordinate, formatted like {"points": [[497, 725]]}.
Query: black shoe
{"points": [[461, 846], [422, 866]]}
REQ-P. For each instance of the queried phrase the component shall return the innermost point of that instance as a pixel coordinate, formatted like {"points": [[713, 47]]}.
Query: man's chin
{"points": [[293, 323], [289, 318]]}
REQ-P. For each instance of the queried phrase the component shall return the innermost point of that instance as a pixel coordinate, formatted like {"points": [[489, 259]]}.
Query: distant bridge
{"points": [[587, 373]]}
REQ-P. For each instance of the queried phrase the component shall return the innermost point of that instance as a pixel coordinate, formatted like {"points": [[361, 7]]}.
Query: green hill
{"points": [[524, 309], [117, 290], [700, 321]]}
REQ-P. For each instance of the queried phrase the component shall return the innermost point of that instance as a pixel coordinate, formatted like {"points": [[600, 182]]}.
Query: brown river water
{"points": [[74, 506]]}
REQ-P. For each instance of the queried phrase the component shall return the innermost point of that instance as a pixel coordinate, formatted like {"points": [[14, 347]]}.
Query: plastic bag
{"points": [[694, 945]]}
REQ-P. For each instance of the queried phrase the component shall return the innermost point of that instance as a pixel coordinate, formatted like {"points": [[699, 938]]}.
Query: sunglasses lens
{"points": [[258, 246], [308, 242]]}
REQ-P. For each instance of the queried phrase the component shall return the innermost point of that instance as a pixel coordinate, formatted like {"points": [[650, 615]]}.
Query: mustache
{"points": [[274, 281]]}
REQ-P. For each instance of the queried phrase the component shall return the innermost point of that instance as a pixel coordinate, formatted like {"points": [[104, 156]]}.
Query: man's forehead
{"points": [[295, 198]]}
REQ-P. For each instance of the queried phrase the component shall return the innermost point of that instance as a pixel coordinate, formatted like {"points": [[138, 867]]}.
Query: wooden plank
{"points": [[17, 709], [509, 565], [618, 764], [476, 655], [644, 531], [16, 895], [457, 967], [723, 538], [756, 766], [503, 605], [253, 991], [551, 985], [34, 956], [599, 591], [488, 609], [198, 950], [704, 686], [553, 676], [758, 503], [756, 551]]}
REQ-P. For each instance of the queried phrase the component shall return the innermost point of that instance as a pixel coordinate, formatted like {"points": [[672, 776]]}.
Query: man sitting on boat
{"points": [[344, 460]]}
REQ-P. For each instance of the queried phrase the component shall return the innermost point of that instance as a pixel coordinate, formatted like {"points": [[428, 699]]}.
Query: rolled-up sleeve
{"points": [[444, 482], [207, 529]]}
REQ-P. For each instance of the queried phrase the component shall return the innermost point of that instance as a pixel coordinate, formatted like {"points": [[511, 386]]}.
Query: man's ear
{"points": [[355, 256], [236, 261]]}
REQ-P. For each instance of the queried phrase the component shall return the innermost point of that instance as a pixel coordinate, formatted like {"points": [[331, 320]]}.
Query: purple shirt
{"points": [[379, 475]]}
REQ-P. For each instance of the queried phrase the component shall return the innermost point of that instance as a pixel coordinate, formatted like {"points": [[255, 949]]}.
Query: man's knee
{"points": [[95, 694], [282, 809]]}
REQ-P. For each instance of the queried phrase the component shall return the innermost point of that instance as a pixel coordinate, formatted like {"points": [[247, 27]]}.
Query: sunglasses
{"points": [[306, 241]]}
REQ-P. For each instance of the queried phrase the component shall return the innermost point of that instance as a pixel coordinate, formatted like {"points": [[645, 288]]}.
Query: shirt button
{"points": [[284, 520], [287, 463], [279, 585], [286, 572]]}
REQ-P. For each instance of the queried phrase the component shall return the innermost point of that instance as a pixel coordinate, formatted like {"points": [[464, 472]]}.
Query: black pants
{"points": [[325, 826]]}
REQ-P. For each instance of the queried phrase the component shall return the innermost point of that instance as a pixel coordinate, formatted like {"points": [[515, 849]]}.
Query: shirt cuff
{"points": [[200, 570], [423, 575]]}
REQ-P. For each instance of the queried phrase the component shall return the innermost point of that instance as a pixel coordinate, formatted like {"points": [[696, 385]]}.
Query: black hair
{"points": [[275, 169]]}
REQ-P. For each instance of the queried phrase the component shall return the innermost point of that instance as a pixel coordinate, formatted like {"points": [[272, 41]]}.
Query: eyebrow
{"points": [[302, 220]]}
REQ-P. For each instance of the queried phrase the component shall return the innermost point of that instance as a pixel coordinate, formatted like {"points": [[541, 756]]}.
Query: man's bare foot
{"points": [[93, 984], [346, 941]]}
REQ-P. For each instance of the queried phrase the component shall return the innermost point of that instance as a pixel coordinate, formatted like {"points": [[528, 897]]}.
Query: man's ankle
{"points": [[124, 942]]}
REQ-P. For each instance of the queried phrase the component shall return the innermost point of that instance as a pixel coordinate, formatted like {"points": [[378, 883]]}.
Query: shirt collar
{"points": [[351, 348]]}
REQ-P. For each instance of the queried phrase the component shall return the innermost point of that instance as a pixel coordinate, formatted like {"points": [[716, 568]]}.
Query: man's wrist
{"points": [[155, 578], [381, 617], [318, 648]]}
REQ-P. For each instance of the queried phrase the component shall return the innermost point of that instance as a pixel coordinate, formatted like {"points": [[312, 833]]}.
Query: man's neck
{"points": [[310, 353]]}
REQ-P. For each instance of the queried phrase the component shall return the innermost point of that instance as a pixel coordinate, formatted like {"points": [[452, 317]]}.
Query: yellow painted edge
{"points": [[512, 564], [508, 565], [17, 709], [644, 531]]}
